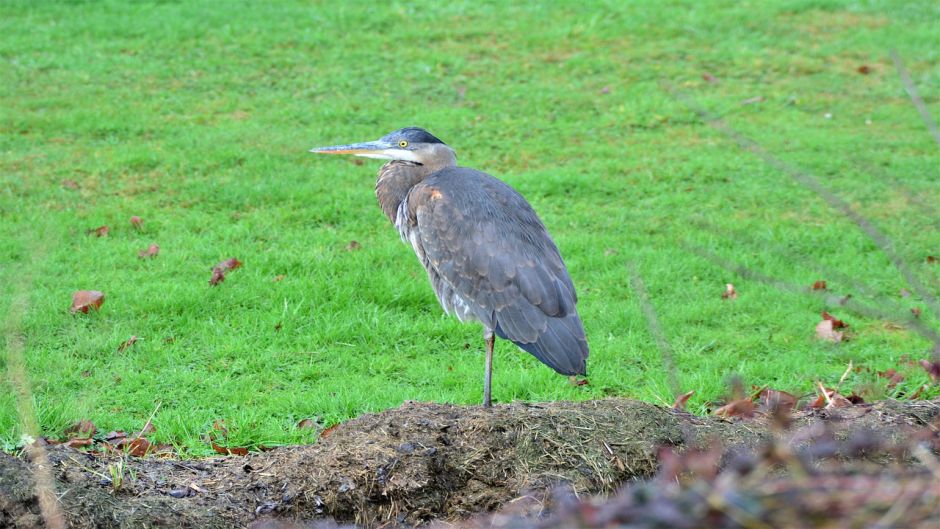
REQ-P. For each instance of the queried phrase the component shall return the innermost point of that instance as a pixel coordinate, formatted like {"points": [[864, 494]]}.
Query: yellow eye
{"points": [[403, 144]]}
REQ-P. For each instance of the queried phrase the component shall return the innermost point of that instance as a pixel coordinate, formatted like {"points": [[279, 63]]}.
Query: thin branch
{"points": [[665, 350], [813, 183], [915, 97]]}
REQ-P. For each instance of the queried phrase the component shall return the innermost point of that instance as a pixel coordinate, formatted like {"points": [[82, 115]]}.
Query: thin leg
{"points": [[488, 375]]}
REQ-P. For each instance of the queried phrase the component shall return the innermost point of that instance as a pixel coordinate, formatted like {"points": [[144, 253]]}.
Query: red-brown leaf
{"points": [[932, 367], [100, 231], [729, 292], [83, 428], [115, 436], [864, 69], [681, 400], [226, 451], [329, 431], [736, 408], [932, 259], [707, 77], [834, 400], [137, 222], [772, 399], [836, 323], [78, 442], [819, 285], [353, 246], [127, 343], [150, 251], [86, 299], [219, 270], [825, 331], [307, 423], [915, 311], [893, 377]]}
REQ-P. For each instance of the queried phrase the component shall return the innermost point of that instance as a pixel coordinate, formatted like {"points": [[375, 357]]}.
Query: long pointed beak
{"points": [[369, 147]]}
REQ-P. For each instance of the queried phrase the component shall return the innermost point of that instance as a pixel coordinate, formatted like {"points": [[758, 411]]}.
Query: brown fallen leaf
{"points": [[86, 299], [135, 446], [830, 398], [150, 251], [864, 69], [707, 77], [819, 285], [279, 277], [776, 400], [329, 431], [100, 231], [915, 311], [78, 442], [115, 435], [893, 377], [353, 246], [931, 259], [825, 331], [932, 367], [127, 343], [729, 292], [736, 408], [83, 428], [836, 323], [226, 451], [681, 400], [307, 423], [219, 270], [137, 222]]}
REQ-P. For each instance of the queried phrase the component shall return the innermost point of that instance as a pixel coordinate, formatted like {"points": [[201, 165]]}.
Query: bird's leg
{"points": [[490, 340]]}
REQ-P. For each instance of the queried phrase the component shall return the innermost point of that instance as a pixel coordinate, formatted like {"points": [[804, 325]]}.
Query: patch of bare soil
{"points": [[409, 465]]}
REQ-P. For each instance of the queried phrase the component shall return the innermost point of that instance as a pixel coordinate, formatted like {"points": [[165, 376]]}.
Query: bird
{"points": [[487, 254]]}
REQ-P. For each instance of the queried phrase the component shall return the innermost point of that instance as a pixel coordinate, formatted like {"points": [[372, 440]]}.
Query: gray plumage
{"points": [[487, 254]]}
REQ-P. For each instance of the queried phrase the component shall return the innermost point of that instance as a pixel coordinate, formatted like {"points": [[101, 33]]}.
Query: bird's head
{"points": [[410, 144]]}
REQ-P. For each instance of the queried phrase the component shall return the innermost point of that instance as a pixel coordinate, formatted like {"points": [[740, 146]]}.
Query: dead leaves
{"points": [[149, 252], [729, 292], [137, 222], [827, 328], [219, 270], [100, 231], [83, 300], [682, 400], [220, 431], [126, 344], [819, 285]]}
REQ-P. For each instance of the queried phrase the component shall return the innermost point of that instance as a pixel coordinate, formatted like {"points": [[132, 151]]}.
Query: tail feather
{"points": [[562, 346]]}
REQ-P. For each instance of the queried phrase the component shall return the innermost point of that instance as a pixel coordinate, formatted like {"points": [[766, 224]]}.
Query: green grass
{"points": [[197, 117]]}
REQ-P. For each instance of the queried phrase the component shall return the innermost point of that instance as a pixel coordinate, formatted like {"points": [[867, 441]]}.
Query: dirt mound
{"points": [[408, 465]]}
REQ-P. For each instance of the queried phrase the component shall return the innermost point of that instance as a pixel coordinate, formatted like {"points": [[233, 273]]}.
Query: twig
{"points": [[656, 329], [915, 97], [813, 183]]}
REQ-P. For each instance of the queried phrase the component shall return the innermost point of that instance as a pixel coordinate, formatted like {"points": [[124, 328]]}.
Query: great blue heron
{"points": [[487, 253]]}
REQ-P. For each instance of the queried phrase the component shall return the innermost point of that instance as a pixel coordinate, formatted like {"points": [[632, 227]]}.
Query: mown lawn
{"points": [[197, 118]]}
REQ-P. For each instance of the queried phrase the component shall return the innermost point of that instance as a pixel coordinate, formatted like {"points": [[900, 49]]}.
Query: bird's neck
{"points": [[396, 178]]}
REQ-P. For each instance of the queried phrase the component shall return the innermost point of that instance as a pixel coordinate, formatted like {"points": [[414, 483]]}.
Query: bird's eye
{"points": [[403, 144]]}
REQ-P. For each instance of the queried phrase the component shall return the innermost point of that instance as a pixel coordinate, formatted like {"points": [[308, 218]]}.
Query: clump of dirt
{"points": [[406, 466]]}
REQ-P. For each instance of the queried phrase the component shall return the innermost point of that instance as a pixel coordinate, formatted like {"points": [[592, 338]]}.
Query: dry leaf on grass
{"points": [[83, 428], [776, 400], [137, 222], [219, 270], [353, 245], [100, 231], [234, 451], [681, 400], [307, 423], [933, 369], [819, 285], [86, 299], [893, 377], [736, 408], [127, 343], [149, 252], [729, 292]]}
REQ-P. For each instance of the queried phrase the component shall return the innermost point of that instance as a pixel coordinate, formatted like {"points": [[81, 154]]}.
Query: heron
{"points": [[487, 254]]}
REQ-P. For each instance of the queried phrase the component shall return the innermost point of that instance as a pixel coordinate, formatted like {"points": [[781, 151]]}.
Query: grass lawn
{"points": [[197, 118]]}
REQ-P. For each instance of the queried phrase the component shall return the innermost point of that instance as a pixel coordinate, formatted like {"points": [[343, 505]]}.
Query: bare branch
{"points": [[915, 96]]}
